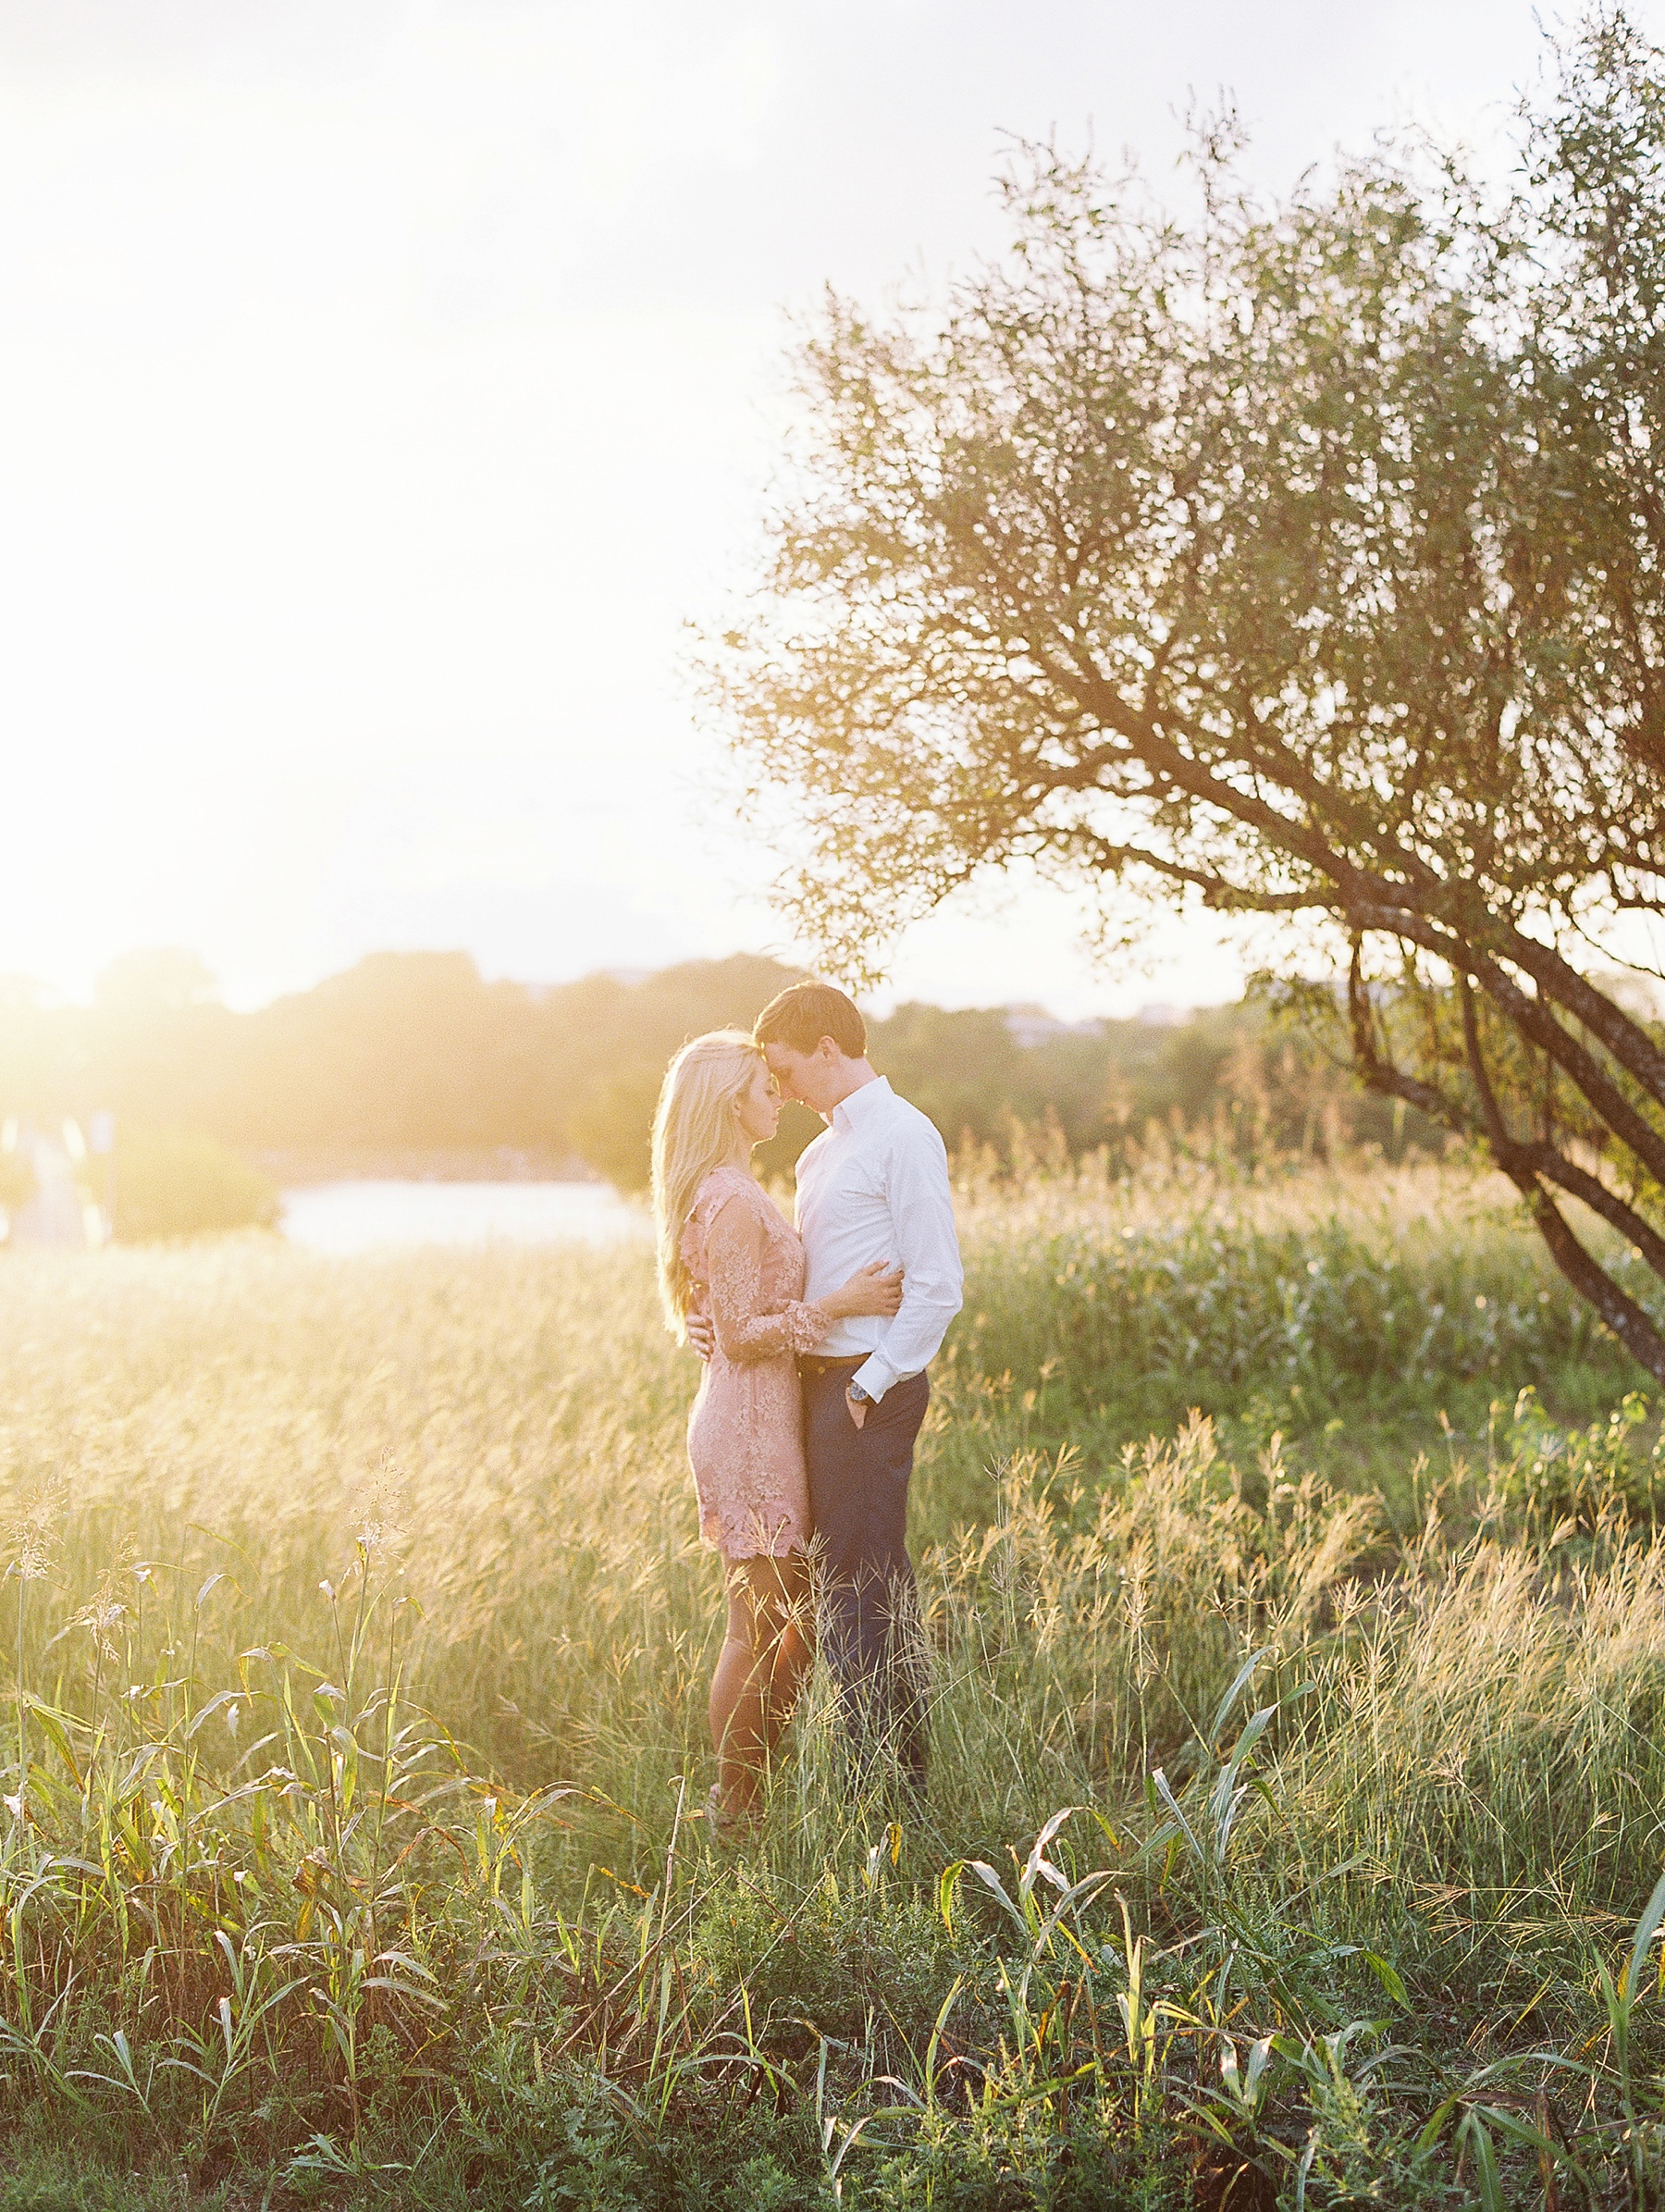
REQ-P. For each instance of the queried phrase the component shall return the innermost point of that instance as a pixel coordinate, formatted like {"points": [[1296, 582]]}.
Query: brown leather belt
{"points": [[809, 1364]]}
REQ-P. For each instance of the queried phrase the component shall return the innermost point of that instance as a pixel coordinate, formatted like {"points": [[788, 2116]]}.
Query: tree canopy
{"points": [[1304, 560]]}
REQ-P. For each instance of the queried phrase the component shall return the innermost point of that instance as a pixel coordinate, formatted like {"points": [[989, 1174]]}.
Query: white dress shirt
{"points": [[874, 1186]]}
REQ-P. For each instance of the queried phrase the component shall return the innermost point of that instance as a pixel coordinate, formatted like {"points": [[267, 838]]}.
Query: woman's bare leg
{"points": [[765, 1653], [792, 1648], [737, 1699]]}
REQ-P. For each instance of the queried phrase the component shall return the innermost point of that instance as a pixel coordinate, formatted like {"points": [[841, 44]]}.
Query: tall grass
{"points": [[1363, 1311], [357, 1635]]}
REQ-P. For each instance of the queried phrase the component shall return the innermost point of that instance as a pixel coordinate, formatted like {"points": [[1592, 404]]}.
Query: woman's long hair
{"points": [[693, 1132]]}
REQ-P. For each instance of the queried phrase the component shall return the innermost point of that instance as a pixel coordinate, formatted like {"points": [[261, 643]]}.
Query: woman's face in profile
{"points": [[760, 1106]]}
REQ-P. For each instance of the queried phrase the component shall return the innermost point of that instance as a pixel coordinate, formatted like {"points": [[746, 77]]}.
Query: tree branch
{"points": [[1535, 1021], [1617, 1308], [1217, 892], [1382, 1075], [1554, 1166]]}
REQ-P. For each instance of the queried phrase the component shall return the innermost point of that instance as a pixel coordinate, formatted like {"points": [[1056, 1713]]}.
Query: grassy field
{"points": [[1299, 1634]]}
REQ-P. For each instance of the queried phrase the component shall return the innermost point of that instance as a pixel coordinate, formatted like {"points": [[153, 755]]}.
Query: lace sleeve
{"points": [[746, 1329]]}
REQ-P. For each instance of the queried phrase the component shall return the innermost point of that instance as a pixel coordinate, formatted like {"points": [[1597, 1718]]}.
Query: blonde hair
{"points": [[693, 1132]]}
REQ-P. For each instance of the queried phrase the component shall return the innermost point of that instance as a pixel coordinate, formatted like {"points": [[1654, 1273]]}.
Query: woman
{"points": [[725, 1249]]}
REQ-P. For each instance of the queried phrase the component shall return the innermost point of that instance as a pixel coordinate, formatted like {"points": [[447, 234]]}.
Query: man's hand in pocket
{"points": [[859, 1409]]}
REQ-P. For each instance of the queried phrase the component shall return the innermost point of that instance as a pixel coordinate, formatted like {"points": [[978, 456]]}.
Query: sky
{"points": [[386, 385]]}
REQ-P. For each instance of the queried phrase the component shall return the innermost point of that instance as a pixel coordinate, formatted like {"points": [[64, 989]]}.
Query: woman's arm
{"points": [[746, 1329]]}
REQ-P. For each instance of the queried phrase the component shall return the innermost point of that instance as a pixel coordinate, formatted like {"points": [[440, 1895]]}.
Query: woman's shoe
{"points": [[728, 1830]]}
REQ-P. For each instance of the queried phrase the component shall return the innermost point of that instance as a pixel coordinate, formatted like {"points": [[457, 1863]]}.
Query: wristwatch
{"points": [[854, 1389]]}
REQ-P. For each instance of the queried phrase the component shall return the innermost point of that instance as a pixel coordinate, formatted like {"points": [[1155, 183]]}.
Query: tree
{"points": [[1306, 561]]}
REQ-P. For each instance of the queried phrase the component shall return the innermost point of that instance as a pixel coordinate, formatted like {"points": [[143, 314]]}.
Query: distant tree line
{"points": [[414, 1054]]}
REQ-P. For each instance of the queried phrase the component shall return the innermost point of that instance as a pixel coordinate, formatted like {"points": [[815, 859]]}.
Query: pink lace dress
{"points": [[746, 1434]]}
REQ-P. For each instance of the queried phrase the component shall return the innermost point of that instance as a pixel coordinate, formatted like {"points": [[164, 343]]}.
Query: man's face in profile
{"points": [[808, 1077]]}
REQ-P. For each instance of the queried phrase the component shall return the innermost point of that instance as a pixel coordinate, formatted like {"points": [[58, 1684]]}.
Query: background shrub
{"points": [[176, 1182]]}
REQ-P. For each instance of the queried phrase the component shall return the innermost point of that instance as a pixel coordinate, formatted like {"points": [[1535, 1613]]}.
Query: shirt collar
{"points": [[850, 1112]]}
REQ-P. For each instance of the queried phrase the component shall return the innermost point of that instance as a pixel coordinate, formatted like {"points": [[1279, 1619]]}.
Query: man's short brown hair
{"points": [[803, 1014]]}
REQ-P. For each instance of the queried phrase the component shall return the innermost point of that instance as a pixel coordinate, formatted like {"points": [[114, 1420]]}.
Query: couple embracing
{"points": [[816, 1341]]}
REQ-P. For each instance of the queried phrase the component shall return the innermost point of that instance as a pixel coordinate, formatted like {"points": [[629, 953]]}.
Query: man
{"points": [[873, 1186]]}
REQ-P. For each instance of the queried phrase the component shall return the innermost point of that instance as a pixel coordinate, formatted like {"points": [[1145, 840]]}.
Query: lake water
{"points": [[369, 1217]]}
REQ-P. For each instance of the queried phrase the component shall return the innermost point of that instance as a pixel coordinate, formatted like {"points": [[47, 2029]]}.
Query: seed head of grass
{"points": [[102, 1614], [380, 1513], [32, 1539]]}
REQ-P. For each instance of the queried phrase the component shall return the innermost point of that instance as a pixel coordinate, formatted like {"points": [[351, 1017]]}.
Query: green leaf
{"points": [[1388, 1977], [1478, 2136], [1240, 1682], [1648, 1927]]}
